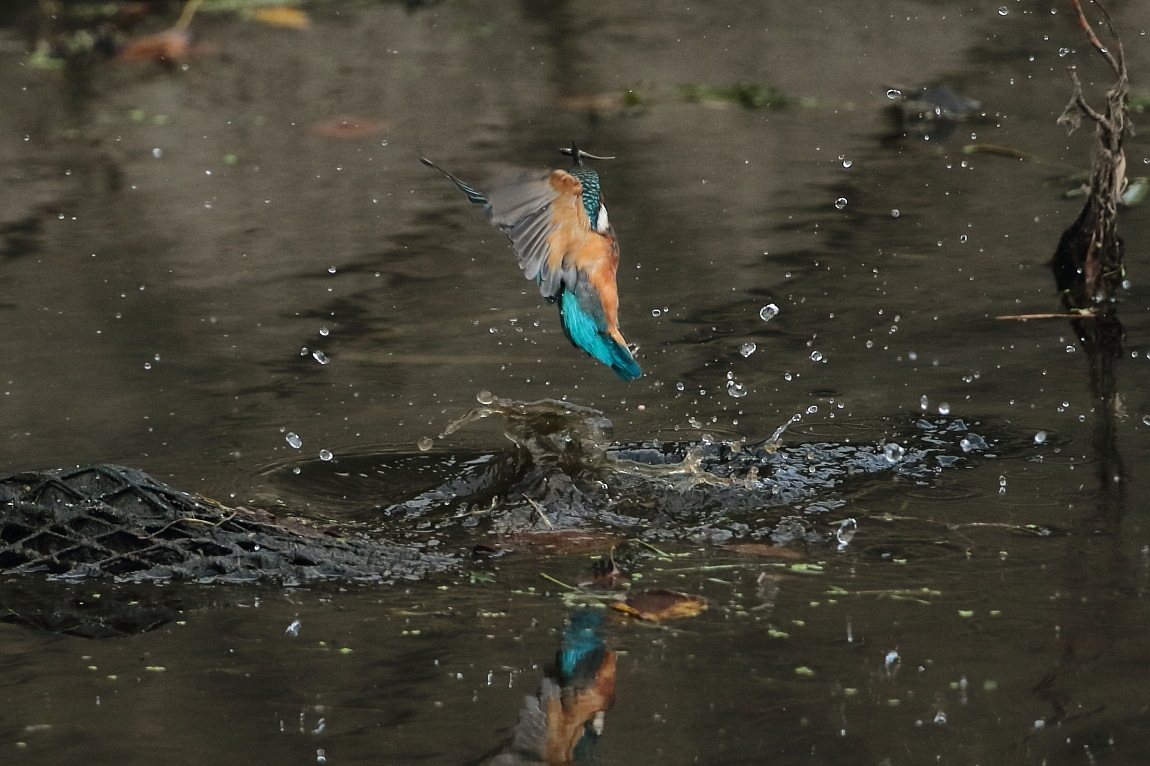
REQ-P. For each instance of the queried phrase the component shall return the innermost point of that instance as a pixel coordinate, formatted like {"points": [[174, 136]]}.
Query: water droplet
{"points": [[840, 203], [325, 455], [1003, 10], [293, 629], [736, 389], [319, 356], [895, 213], [812, 409], [485, 397], [324, 331], [768, 312], [894, 93], [846, 532], [976, 442], [1001, 485], [965, 445], [1146, 420], [656, 312], [924, 403], [893, 453], [1040, 437], [943, 408], [681, 386], [293, 440], [425, 443], [331, 269], [157, 152], [847, 163], [816, 356], [747, 349], [1063, 52]]}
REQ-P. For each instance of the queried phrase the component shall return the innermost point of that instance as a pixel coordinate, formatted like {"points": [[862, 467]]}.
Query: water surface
{"points": [[181, 248]]}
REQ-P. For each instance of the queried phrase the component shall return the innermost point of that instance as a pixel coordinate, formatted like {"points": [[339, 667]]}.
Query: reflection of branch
{"points": [[1088, 269]]}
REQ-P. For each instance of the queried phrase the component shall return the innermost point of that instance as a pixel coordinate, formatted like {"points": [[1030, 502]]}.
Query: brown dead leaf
{"points": [[281, 16], [169, 47], [765, 550], [346, 126], [659, 605]]}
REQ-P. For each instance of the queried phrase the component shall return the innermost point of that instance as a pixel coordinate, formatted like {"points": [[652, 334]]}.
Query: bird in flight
{"points": [[559, 230]]}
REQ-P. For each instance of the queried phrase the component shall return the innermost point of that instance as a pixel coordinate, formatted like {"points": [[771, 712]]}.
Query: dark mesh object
{"points": [[104, 519]]}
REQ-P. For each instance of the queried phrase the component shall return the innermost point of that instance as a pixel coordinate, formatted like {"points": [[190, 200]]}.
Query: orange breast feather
{"points": [[569, 225]]}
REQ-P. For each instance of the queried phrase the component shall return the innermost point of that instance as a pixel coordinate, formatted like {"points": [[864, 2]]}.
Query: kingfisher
{"points": [[560, 232]]}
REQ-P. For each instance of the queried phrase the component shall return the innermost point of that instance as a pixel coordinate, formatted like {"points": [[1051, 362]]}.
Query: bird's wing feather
{"points": [[544, 218]]}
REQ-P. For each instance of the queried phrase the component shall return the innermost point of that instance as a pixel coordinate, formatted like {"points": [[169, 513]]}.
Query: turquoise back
{"points": [[591, 200]]}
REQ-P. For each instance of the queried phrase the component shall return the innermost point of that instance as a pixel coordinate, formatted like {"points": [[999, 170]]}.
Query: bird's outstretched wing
{"points": [[542, 215]]}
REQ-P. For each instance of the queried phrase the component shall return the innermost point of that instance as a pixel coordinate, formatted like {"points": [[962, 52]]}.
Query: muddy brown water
{"points": [[179, 248]]}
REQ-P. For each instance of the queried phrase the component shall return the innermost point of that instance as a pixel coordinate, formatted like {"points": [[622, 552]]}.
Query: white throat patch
{"points": [[602, 224]]}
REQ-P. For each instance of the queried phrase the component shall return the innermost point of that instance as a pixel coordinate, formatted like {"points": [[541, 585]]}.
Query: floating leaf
{"points": [[658, 605], [347, 126], [281, 16], [168, 47], [765, 550]]}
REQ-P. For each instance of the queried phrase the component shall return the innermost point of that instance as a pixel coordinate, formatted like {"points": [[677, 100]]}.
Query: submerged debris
{"points": [[660, 605], [930, 113]]}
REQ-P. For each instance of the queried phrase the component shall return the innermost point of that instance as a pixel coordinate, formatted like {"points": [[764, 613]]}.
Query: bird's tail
{"points": [[588, 334], [473, 194]]}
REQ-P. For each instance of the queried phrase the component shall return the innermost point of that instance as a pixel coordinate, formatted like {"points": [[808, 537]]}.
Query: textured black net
{"points": [[96, 520]]}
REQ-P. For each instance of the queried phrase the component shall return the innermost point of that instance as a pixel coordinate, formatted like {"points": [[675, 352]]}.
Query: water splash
{"points": [[845, 533], [736, 389], [549, 430], [893, 452]]}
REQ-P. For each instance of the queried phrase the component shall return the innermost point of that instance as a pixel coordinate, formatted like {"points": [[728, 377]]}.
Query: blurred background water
{"points": [[199, 261]]}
